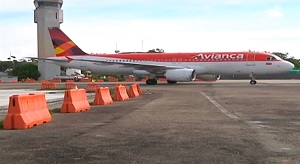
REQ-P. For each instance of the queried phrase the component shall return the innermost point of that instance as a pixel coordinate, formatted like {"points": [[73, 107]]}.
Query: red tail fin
{"points": [[62, 44]]}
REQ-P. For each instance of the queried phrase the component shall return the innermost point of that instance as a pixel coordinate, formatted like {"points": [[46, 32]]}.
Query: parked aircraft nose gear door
{"points": [[250, 60]]}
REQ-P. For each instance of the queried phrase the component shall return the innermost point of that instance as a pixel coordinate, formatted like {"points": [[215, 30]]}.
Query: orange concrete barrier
{"points": [[121, 94], [92, 87], [44, 81], [70, 85], [85, 80], [162, 79], [26, 111], [75, 100], [55, 80], [69, 81], [139, 88], [48, 85], [130, 79], [100, 80], [44, 85], [113, 79], [103, 96], [51, 85], [133, 91], [120, 84], [14, 81]]}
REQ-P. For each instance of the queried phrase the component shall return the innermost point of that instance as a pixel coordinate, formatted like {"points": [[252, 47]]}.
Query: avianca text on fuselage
{"points": [[219, 56]]}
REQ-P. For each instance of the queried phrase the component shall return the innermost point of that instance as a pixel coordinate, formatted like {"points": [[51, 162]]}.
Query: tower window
{"points": [[48, 4]]}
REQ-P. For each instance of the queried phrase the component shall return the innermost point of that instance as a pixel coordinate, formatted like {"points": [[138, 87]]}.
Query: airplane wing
{"points": [[49, 59], [138, 65]]}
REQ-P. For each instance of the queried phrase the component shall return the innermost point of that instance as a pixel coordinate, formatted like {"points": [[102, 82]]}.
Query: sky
{"points": [[102, 26]]}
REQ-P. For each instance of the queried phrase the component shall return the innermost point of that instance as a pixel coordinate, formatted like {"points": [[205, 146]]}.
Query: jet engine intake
{"points": [[180, 75]]}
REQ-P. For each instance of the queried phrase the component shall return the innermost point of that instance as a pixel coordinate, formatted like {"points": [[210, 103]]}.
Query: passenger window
{"points": [[271, 58]]}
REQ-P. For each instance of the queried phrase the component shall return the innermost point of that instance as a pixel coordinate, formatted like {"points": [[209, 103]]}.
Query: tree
{"points": [[26, 70], [4, 65], [285, 56]]}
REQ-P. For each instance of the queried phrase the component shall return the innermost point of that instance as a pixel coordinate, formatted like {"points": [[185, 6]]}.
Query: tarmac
{"points": [[229, 121]]}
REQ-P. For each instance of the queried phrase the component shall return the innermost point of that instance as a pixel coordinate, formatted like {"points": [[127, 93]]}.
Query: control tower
{"points": [[47, 13]]}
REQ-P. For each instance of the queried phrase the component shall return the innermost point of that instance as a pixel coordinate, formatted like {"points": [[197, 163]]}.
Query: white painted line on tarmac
{"points": [[220, 107]]}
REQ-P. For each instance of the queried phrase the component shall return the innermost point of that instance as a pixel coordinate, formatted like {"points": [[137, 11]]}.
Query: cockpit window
{"points": [[271, 58]]}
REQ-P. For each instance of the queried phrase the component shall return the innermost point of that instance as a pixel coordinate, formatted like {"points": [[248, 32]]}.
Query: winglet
{"points": [[69, 59]]}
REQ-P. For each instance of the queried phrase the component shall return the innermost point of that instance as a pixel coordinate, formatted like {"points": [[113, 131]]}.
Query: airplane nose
{"points": [[289, 65]]}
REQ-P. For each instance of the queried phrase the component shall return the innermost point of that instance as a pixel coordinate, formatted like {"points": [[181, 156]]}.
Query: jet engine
{"points": [[209, 77], [181, 75]]}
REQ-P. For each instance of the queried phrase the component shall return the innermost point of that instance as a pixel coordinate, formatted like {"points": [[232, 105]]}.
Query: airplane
{"points": [[175, 67]]}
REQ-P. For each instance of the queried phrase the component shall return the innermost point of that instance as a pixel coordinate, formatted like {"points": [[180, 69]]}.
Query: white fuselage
{"points": [[224, 67]]}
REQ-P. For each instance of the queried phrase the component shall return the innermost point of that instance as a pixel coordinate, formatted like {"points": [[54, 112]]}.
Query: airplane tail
{"points": [[62, 44]]}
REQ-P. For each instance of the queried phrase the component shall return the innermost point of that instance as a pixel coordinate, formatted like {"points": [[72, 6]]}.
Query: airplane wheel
{"points": [[171, 82], [253, 82], [151, 82], [148, 82], [154, 81]]}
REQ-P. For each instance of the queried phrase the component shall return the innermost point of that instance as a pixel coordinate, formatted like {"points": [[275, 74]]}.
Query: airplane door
{"points": [[250, 60]]}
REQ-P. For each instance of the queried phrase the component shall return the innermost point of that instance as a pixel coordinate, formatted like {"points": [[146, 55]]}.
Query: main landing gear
{"points": [[151, 82], [171, 82]]}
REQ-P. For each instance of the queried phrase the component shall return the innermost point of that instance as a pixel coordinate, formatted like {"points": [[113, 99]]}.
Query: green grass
{"points": [[55, 110]]}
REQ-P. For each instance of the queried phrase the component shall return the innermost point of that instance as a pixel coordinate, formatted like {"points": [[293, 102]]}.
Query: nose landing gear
{"points": [[253, 82], [252, 79]]}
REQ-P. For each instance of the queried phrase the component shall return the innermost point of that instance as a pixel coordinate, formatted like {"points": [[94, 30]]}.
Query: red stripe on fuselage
{"points": [[192, 57]]}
